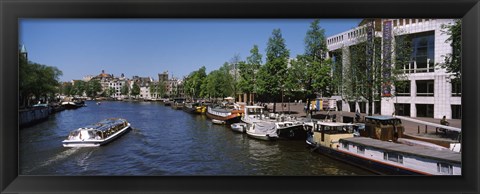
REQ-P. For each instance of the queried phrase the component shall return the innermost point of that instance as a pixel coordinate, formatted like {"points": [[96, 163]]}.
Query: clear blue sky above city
{"points": [[146, 47]]}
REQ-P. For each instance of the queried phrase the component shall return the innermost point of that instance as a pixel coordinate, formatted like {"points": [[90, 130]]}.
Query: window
{"points": [[394, 157], [444, 168], [423, 45], [425, 87], [456, 87], [363, 107], [424, 110], [402, 88], [345, 145], [456, 111], [360, 149], [402, 109]]}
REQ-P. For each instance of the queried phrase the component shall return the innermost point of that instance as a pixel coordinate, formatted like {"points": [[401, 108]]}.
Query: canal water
{"points": [[164, 141]]}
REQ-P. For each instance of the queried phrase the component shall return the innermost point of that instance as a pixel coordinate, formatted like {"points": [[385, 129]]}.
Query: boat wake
{"points": [[62, 155]]}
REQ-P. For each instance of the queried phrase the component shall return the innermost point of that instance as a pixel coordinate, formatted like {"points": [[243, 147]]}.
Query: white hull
{"points": [[261, 136], [94, 143], [239, 127], [218, 122]]}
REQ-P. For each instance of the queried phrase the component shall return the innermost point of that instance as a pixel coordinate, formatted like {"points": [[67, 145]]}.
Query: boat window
{"points": [[394, 157], [444, 168], [345, 145], [360, 149]]}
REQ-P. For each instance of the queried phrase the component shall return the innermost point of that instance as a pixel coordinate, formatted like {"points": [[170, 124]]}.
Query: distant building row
{"points": [[173, 86]]}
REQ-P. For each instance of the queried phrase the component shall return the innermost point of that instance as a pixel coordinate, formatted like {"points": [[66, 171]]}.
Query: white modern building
{"points": [[428, 90]]}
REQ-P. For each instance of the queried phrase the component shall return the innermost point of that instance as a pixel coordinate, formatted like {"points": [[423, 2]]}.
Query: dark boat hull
{"points": [[293, 133]]}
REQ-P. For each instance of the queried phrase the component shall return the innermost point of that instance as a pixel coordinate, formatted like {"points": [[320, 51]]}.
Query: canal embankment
{"points": [[297, 109]]}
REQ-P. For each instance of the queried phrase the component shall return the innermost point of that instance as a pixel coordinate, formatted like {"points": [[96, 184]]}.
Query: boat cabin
{"points": [[328, 134], [385, 128]]}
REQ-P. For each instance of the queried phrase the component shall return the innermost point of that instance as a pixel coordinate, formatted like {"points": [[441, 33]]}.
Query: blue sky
{"points": [[146, 47]]}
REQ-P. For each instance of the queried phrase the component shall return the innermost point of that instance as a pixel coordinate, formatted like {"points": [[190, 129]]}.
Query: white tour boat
{"points": [[97, 134]]}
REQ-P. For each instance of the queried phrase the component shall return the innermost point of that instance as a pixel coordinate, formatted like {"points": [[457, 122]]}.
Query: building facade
{"points": [[428, 90]]}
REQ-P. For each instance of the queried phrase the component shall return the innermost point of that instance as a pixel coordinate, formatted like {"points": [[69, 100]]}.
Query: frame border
{"points": [[12, 10]]}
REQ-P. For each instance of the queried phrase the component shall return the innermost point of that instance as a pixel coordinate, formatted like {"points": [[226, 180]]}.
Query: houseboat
{"points": [[229, 113], [383, 157], [97, 134], [72, 103]]}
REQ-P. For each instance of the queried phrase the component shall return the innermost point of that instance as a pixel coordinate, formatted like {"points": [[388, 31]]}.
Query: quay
{"points": [[411, 127], [34, 115]]}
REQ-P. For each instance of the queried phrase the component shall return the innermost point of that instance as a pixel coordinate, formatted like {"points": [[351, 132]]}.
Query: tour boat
{"points": [[239, 127], [384, 157], [97, 134]]}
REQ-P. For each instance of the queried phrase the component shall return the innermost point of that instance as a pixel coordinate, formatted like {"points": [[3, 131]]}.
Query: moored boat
{"points": [[286, 127], [97, 134], [239, 127], [178, 103], [189, 107], [228, 114], [262, 130], [384, 157], [218, 122], [72, 103]]}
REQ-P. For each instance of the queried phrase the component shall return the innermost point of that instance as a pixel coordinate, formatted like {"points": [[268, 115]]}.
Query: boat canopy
{"points": [[106, 124]]}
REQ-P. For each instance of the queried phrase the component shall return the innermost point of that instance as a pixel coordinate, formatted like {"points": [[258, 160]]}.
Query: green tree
{"points": [[363, 81], [37, 81], [111, 91], [317, 68], [453, 61], [79, 87], [193, 83], [248, 72], [135, 90], [271, 76], [67, 89], [125, 90], [93, 88]]}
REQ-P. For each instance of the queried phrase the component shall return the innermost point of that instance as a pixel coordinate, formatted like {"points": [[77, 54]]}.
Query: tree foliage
{"points": [[135, 90], [271, 76], [248, 71], [192, 84], [159, 89], [37, 80], [93, 88], [125, 90], [453, 60]]}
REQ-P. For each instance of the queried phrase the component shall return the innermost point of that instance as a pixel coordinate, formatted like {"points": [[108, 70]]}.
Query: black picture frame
{"points": [[11, 11]]}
